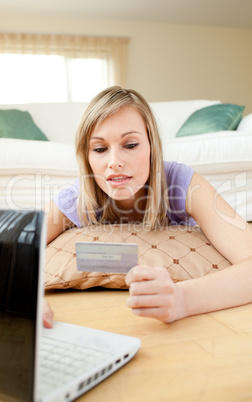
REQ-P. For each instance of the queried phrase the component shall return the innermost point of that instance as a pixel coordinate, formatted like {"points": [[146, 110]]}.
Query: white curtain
{"points": [[114, 50]]}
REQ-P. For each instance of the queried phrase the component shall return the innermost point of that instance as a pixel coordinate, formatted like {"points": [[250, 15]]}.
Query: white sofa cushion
{"points": [[245, 124], [210, 149], [58, 121], [171, 116]]}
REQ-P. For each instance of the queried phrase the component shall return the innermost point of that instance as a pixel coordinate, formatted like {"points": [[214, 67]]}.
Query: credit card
{"points": [[106, 257]]}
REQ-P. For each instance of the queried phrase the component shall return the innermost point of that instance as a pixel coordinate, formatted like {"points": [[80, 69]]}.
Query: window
{"points": [[55, 68], [38, 78], [81, 86]]}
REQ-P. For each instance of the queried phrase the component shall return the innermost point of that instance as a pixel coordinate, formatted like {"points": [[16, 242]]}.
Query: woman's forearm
{"points": [[227, 288]]}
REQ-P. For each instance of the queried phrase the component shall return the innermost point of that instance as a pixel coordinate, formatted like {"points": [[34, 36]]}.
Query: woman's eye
{"points": [[99, 149], [133, 145]]}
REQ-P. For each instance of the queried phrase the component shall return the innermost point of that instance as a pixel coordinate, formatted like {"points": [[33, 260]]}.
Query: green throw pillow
{"points": [[18, 124], [211, 119]]}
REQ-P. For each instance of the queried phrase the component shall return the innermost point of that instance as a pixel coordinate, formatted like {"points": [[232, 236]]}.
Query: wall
{"points": [[167, 62]]}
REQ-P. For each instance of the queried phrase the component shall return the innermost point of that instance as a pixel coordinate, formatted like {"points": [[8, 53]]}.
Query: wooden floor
{"points": [[206, 358]]}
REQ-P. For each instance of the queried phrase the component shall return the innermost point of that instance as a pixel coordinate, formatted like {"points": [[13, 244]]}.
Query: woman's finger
{"points": [[47, 315], [143, 273]]}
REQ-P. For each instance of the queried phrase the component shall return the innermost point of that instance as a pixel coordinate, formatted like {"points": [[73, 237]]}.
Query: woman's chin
{"points": [[121, 195]]}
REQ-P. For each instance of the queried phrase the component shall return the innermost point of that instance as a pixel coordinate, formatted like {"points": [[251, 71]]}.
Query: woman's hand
{"points": [[47, 315], [153, 293]]}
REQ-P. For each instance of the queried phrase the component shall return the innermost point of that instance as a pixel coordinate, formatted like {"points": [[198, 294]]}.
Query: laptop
{"points": [[40, 364]]}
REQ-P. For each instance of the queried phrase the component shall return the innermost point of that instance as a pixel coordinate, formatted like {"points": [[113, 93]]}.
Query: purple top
{"points": [[178, 178]]}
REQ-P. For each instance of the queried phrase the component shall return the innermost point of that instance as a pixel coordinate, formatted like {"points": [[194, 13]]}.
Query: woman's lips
{"points": [[118, 180]]}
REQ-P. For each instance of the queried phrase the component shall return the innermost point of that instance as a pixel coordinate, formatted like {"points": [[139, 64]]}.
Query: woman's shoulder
{"points": [[178, 177], [177, 171], [67, 201]]}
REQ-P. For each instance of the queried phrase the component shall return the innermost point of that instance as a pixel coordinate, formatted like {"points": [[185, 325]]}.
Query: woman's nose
{"points": [[115, 165], [115, 161]]}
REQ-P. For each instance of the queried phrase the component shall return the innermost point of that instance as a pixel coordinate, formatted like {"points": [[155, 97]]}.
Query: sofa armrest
{"points": [[32, 172]]}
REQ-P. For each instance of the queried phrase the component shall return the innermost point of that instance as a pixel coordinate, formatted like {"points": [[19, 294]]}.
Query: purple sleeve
{"points": [[178, 178], [67, 201]]}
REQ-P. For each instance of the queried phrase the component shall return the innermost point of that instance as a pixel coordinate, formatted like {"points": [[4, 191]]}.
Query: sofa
{"points": [[32, 170]]}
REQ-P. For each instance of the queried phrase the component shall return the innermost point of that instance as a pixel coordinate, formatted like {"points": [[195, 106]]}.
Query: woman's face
{"points": [[119, 156]]}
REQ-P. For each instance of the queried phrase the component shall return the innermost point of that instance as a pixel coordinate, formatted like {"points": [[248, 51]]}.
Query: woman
{"points": [[122, 178]]}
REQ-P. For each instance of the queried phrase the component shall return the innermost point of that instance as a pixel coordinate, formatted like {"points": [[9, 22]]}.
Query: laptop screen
{"points": [[19, 260]]}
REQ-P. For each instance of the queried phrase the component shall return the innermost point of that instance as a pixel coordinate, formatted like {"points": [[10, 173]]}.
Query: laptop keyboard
{"points": [[61, 362]]}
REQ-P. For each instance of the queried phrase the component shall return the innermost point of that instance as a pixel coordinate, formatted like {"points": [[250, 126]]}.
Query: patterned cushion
{"points": [[184, 251]]}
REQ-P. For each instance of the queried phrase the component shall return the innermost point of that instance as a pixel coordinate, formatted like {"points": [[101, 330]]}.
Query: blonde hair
{"points": [[94, 205]]}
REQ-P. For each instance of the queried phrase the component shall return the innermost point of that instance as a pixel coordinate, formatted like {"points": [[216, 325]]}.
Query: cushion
{"points": [[183, 250], [245, 124], [19, 124], [59, 120], [212, 119], [172, 114]]}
